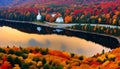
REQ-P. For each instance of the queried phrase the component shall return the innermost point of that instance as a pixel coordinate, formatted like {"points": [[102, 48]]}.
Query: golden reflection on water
{"points": [[9, 36]]}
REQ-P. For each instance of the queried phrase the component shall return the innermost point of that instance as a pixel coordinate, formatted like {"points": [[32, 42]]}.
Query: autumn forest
{"points": [[59, 34], [105, 12]]}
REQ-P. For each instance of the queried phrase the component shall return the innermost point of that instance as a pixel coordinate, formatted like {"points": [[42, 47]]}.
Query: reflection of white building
{"points": [[39, 17], [59, 20]]}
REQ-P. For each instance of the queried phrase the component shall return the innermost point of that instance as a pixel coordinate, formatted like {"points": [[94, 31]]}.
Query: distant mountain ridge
{"points": [[13, 3], [8, 3]]}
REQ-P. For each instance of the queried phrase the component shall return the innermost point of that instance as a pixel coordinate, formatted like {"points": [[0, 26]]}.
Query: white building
{"points": [[59, 20], [53, 15], [39, 17]]}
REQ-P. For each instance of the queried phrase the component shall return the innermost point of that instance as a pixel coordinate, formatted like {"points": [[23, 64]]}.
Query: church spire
{"points": [[38, 12], [39, 16]]}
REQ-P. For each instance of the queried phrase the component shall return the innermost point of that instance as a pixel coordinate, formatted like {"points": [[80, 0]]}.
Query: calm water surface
{"points": [[10, 36]]}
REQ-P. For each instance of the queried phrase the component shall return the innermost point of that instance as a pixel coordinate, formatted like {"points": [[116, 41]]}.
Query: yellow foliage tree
{"points": [[114, 21], [119, 22], [27, 13], [99, 20]]}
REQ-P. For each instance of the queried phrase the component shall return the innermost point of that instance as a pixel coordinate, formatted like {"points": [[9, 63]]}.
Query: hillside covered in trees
{"points": [[95, 11], [105, 12], [44, 58]]}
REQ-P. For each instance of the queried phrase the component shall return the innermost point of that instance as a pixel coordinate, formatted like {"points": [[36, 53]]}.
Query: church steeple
{"points": [[38, 12], [39, 16]]}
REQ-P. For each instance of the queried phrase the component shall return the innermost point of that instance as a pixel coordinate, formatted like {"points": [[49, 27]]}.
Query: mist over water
{"points": [[13, 37]]}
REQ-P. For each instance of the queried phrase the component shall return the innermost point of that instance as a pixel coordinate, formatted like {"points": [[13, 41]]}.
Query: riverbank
{"points": [[30, 27]]}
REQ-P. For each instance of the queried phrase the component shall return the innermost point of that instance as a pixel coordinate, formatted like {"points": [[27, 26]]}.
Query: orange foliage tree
{"points": [[48, 16], [68, 19]]}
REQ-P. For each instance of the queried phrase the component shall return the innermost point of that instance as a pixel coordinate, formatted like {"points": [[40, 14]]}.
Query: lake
{"points": [[13, 37]]}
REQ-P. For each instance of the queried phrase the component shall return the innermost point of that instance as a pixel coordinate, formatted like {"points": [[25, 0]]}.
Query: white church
{"points": [[58, 19], [39, 17]]}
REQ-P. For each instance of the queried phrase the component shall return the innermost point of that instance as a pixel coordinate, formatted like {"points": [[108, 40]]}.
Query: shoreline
{"points": [[31, 27]]}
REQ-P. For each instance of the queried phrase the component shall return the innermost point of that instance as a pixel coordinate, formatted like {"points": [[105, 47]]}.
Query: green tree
{"points": [[44, 61], [10, 59], [59, 67], [81, 58], [18, 61], [2, 50], [25, 66], [44, 52], [36, 59], [46, 66], [11, 51], [72, 54], [24, 56], [18, 53], [25, 51]]}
